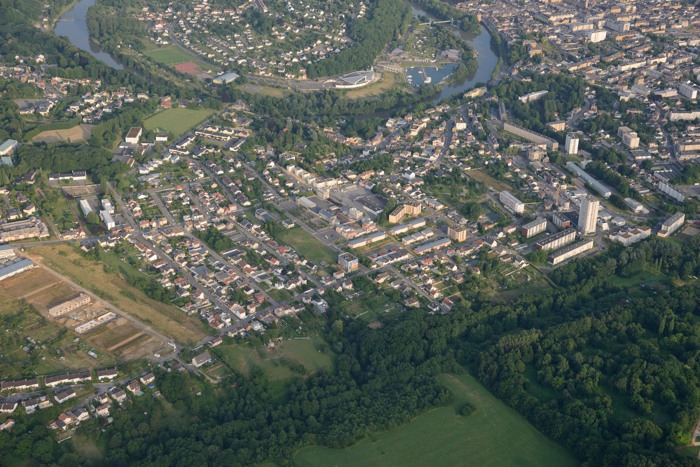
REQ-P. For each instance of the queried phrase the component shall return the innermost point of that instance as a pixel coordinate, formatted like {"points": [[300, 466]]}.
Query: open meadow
{"points": [[493, 435], [177, 121], [293, 357]]}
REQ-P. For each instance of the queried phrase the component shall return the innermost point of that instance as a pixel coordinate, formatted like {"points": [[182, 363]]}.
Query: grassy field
{"points": [[112, 287], [488, 180], [494, 435], [264, 90], [275, 361], [177, 121], [168, 55], [387, 82], [308, 246]]}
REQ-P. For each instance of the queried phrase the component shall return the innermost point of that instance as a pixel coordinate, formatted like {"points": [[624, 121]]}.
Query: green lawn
{"points": [[308, 246], [275, 361], [494, 435], [177, 121], [168, 55]]}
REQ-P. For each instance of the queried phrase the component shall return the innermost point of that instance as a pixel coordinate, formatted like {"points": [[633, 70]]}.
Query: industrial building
{"points": [[14, 266], [672, 224], [588, 215], [570, 251], [511, 202], [69, 305], [571, 144], [533, 228], [557, 240]]}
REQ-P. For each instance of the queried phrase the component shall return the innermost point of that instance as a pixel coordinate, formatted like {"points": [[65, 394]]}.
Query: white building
{"points": [[571, 251], [588, 215], [688, 90], [629, 137], [107, 219], [571, 144], [672, 224], [511, 202], [134, 135], [85, 207]]}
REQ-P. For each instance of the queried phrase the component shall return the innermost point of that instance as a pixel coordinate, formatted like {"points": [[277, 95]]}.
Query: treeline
{"points": [[369, 35], [444, 11], [324, 106], [62, 157]]}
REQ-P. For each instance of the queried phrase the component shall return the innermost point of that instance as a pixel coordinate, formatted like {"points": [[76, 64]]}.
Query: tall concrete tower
{"points": [[571, 145], [587, 215]]}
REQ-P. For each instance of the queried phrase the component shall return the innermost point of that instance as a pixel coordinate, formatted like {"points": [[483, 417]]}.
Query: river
{"points": [[73, 25], [486, 58]]}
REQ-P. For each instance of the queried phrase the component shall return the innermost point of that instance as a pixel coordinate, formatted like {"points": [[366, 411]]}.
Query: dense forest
{"points": [[608, 370]]}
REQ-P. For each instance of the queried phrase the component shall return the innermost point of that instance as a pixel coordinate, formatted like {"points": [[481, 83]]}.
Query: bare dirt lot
{"points": [[120, 338], [70, 135]]}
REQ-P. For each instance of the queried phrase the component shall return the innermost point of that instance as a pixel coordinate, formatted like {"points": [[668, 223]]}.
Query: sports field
{"points": [[308, 246], [168, 55], [494, 435], [275, 362], [177, 121]]}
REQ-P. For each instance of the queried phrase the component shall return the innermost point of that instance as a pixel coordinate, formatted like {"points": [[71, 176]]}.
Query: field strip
{"points": [[125, 341], [40, 289]]}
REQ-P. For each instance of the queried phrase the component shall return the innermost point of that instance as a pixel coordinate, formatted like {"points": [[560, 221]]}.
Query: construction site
{"points": [[90, 318]]}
